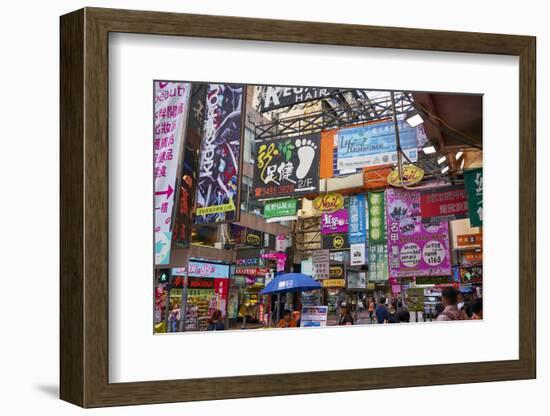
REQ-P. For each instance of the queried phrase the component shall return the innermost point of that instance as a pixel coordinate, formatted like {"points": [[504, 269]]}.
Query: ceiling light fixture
{"points": [[459, 154], [442, 160], [414, 119], [429, 149]]}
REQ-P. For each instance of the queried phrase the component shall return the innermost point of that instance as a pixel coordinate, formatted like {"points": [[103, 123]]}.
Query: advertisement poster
{"points": [[170, 112], [357, 227], [335, 241], [471, 274], [277, 97], [378, 263], [220, 155], [280, 208], [357, 279], [357, 254], [313, 316], [473, 180], [287, 167], [414, 248], [443, 204], [374, 145], [336, 271], [334, 222], [199, 269], [377, 218], [321, 260], [415, 299]]}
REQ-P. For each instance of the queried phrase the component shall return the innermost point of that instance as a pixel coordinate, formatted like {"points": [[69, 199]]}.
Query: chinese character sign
{"points": [[357, 228], [378, 263], [220, 155], [334, 222], [474, 187], [321, 262], [170, 111], [377, 217], [447, 203], [414, 248], [287, 167]]}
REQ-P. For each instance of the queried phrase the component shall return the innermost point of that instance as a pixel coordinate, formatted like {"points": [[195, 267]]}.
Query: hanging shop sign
{"points": [[378, 263], [376, 177], [357, 279], [473, 181], [472, 257], [334, 222], [200, 269], [443, 204], [377, 217], [414, 248], [280, 258], [277, 97], [251, 271], [357, 254], [411, 174], [433, 280], [313, 316], [220, 155], [463, 240], [336, 271], [194, 282], [281, 242], [280, 208], [329, 202], [170, 107], [357, 221], [374, 145], [321, 264], [471, 274], [252, 237], [335, 241], [415, 299], [334, 283], [287, 167], [183, 221]]}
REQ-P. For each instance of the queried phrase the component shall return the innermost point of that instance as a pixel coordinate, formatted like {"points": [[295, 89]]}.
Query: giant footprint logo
{"points": [[306, 154]]}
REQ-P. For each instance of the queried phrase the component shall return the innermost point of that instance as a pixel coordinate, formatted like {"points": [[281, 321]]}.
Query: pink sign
{"points": [[335, 222], [414, 248]]}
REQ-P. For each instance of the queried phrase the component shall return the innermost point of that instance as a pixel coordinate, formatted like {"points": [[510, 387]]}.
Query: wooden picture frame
{"points": [[84, 207]]}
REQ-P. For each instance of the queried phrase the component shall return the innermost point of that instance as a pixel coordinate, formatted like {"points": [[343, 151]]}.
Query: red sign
{"points": [[444, 204], [251, 271], [472, 257], [194, 282], [469, 240]]}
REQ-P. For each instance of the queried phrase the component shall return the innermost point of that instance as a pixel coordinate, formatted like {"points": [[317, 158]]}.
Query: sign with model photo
{"points": [[220, 155], [443, 204], [170, 107], [414, 248], [277, 97], [321, 261], [287, 167], [357, 221], [374, 145]]}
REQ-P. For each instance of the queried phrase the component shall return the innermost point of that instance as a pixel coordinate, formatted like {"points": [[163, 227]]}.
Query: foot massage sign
{"points": [[286, 167]]}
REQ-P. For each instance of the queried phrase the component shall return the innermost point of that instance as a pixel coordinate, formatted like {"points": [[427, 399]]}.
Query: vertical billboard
{"points": [[473, 180], [415, 248], [217, 195], [170, 113], [377, 218], [357, 221]]}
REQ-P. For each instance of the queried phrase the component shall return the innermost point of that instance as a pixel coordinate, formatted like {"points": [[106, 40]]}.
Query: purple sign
{"points": [[414, 248], [335, 222]]}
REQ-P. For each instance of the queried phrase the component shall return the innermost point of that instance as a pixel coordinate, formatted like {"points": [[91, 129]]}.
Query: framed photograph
{"points": [[257, 207]]}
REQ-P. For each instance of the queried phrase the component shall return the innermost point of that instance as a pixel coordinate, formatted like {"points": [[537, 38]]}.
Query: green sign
{"points": [[377, 218], [433, 280], [474, 188], [378, 263], [280, 208]]}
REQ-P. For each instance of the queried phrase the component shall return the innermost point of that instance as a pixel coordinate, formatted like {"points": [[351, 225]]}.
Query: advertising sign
{"points": [[252, 237], [170, 107], [277, 97], [377, 218], [463, 240], [357, 279], [334, 222], [472, 257], [251, 271], [280, 208], [328, 202], [443, 204], [376, 177], [471, 274], [336, 271], [411, 174], [321, 260], [415, 299], [378, 263], [357, 254], [335, 241], [287, 167], [220, 155], [374, 145], [473, 180], [199, 269], [357, 227], [334, 283], [313, 316], [414, 248]]}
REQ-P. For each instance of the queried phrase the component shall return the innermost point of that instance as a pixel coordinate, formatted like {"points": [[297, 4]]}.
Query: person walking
{"points": [[450, 312], [345, 315], [215, 323], [381, 311], [403, 314], [174, 317]]}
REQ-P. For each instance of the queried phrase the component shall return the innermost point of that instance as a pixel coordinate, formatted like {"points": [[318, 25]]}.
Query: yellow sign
{"points": [[411, 175], [334, 283], [328, 202]]}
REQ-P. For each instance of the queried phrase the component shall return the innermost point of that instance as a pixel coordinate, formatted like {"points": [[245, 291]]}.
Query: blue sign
{"points": [[374, 145], [357, 224], [163, 240]]}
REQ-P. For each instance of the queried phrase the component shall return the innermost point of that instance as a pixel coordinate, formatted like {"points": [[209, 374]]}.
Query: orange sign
{"points": [[376, 177], [328, 202], [411, 175], [473, 257], [469, 240]]}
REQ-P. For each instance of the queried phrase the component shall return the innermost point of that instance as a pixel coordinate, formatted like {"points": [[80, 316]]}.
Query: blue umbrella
{"points": [[290, 282]]}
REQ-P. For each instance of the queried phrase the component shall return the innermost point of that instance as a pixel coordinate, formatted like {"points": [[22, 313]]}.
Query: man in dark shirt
{"points": [[381, 311]]}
